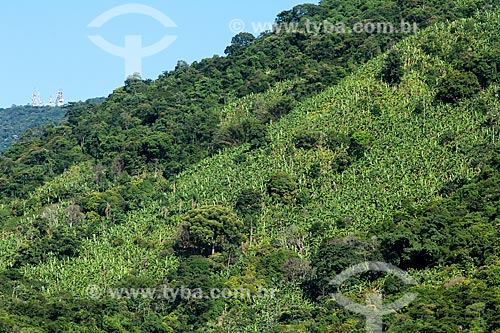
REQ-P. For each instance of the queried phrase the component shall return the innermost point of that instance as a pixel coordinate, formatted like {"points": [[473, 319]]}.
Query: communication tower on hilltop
{"points": [[60, 98], [52, 101], [35, 99]]}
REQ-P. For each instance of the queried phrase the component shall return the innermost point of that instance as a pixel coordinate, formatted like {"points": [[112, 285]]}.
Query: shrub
{"points": [[208, 229], [392, 72], [282, 187], [307, 139], [457, 85]]}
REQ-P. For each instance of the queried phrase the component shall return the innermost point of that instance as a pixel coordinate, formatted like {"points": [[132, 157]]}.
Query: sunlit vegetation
{"points": [[277, 166]]}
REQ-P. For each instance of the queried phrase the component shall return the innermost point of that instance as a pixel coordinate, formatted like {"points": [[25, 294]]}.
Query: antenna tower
{"points": [[36, 101], [52, 101], [60, 98]]}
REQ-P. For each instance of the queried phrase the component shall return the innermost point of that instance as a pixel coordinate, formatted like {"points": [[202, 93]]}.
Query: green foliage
{"points": [[457, 85], [282, 187], [484, 64], [249, 202], [175, 121], [280, 264], [15, 120], [109, 204], [196, 273], [467, 305], [331, 259], [307, 139], [360, 142], [460, 229], [249, 206], [59, 241], [133, 191], [281, 108], [392, 71], [239, 131], [238, 41], [335, 140], [208, 229]]}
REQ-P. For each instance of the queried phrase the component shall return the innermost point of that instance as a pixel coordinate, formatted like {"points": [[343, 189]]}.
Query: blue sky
{"points": [[45, 44]]}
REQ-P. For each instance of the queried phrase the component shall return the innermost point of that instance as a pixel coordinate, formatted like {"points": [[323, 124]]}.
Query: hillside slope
{"points": [[15, 120], [173, 122], [398, 162]]}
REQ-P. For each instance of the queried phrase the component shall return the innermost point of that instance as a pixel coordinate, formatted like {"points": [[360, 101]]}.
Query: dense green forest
{"points": [[271, 169], [14, 121]]}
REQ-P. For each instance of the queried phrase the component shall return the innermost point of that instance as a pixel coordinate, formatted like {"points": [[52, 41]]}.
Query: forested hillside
{"points": [[14, 121], [275, 167], [181, 113]]}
